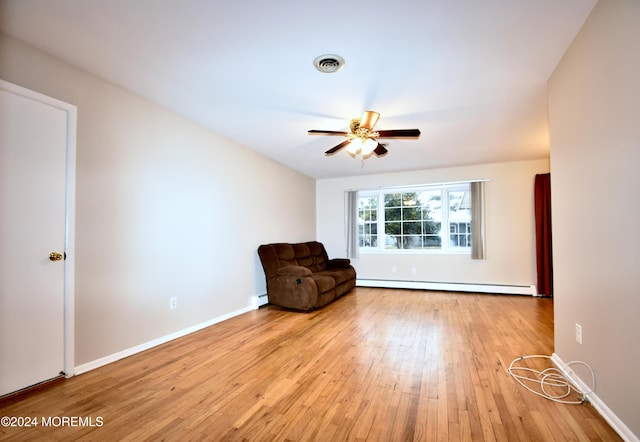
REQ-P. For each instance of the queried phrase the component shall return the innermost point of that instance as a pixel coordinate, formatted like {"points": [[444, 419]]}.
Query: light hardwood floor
{"points": [[378, 364]]}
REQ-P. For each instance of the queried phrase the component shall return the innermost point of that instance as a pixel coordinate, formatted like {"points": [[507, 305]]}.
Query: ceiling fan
{"points": [[363, 139]]}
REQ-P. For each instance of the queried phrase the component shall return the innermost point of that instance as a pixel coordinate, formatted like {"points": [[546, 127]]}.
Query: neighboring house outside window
{"points": [[416, 219]]}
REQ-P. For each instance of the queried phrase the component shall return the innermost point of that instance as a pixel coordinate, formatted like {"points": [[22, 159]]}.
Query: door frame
{"points": [[70, 216]]}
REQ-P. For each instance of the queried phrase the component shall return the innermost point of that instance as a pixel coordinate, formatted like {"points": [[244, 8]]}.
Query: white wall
{"points": [[594, 103], [164, 208], [510, 231]]}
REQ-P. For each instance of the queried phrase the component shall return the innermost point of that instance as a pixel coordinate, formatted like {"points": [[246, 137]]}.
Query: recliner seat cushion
{"points": [[324, 282]]}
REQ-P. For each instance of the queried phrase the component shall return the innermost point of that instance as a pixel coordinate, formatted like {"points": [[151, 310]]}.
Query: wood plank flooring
{"points": [[376, 365]]}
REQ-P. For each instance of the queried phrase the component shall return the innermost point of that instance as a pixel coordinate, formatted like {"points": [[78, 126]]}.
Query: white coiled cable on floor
{"points": [[550, 378]]}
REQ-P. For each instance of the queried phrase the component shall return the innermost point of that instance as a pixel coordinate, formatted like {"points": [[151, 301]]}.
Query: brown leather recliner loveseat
{"points": [[301, 276]]}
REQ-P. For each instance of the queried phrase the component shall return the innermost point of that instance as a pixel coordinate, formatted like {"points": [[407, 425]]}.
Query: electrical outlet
{"points": [[173, 303], [578, 333], [414, 270], [394, 269]]}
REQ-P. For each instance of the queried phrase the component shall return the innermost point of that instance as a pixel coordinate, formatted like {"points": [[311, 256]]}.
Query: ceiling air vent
{"points": [[329, 64]]}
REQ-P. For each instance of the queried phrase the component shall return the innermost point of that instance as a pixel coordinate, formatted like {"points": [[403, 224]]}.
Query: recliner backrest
{"points": [[311, 255]]}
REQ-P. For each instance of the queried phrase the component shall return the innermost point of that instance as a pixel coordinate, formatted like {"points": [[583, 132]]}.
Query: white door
{"points": [[33, 147]]}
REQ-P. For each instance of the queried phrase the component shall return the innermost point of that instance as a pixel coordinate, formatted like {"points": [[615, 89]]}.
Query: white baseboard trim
{"points": [[608, 415], [451, 286], [162, 340]]}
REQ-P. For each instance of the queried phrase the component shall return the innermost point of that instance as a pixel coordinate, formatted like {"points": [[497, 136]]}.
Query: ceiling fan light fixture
{"points": [[329, 63], [362, 146], [354, 147], [368, 146]]}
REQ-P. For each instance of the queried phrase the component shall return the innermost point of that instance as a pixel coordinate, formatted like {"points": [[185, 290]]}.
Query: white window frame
{"points": [[445, 248]]}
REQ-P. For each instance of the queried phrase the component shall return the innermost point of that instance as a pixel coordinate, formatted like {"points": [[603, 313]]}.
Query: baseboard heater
{"points": [[262, 300], [450, 286]]}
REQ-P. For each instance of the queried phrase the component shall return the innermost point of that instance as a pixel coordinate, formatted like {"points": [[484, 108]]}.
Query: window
{"points": [[436, 218], [367, 221]]}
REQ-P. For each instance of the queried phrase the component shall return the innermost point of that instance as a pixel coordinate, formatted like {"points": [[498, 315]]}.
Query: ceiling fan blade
{"points": [[327, 132], [380, 150], [337, 148], [369, 119], [399, 133]]}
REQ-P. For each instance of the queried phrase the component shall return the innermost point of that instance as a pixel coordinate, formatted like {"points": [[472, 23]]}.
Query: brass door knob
{"points": [[55, 256]]}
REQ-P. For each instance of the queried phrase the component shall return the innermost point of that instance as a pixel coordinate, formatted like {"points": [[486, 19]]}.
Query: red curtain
{"points": [[544, 261]]}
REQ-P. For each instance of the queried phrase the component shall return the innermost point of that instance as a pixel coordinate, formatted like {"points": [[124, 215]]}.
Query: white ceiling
{"points": [[470, 74]]}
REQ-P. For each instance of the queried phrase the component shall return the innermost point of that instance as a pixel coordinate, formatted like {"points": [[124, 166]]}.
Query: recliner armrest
{"points": [[339, 263], [297, 271]]}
